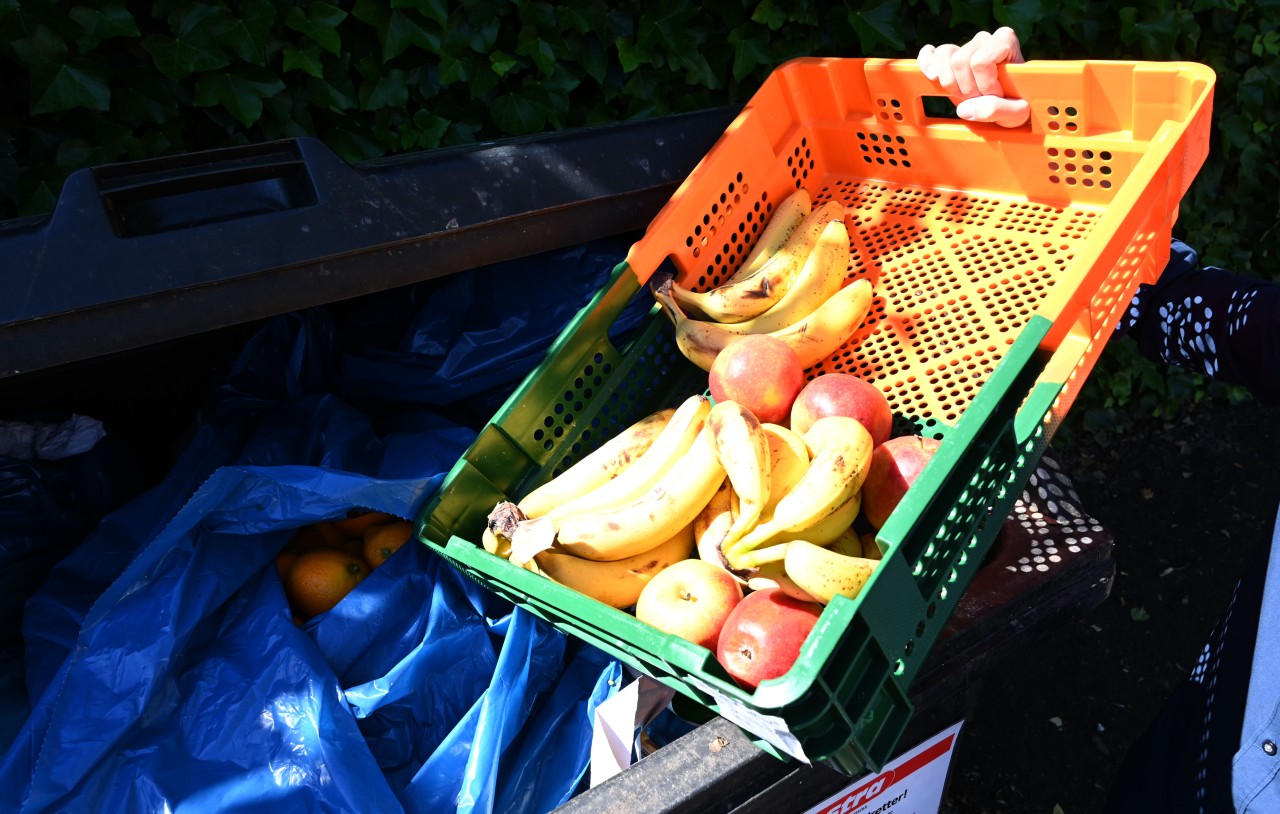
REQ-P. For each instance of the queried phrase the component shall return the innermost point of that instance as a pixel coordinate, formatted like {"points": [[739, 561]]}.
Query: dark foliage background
{"points": [[98, 82]]}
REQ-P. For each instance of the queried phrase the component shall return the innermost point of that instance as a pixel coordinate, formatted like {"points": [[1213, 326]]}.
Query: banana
{"points": [[825, 530], [599, 467], [494, 544], [822, 275], [870, 548], [788, 459], [849, 543], [617, 583], [633, 481], [841, 450], [781, 226], [774, 575], [711, 524], [743, 449], [823, 573], [621, 531], [756, 293], [814, 338]]}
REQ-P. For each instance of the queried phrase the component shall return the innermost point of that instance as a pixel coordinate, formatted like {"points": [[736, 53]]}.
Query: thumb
{"points": [[1004, 112]]}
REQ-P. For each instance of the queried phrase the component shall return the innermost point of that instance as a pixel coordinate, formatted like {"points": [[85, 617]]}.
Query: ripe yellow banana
{"points": [[617, 583], [758, 292], [788, 460], [822, 275], [849, 543], [599, 467], [814, 338], [633, 481], [743, 449], [712, 523], [841, 453], [774, 575], [823, 573], [780, 227], [617, 532], [825, 530]]}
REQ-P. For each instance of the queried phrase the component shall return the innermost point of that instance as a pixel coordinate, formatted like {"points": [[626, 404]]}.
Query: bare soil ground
{"points": [[1186, 500]]}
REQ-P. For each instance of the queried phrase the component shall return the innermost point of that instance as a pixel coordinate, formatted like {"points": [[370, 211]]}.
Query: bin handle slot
{"points": [[214, 186]]}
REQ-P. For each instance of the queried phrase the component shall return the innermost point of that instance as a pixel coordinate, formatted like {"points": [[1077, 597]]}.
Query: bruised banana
{"points": [[841, 449], [621, 531], [784, 222], [814, 338], [617, 583], [633, 481], [822, 275], [743, 449], [823, 573], [760, 291], [712, 523], [598, 468]]}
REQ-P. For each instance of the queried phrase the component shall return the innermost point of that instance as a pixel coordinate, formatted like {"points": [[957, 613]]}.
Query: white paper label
{"points": [[768, 727], [912, 783]]}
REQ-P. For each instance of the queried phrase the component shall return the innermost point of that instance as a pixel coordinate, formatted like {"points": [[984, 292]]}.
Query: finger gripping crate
{"points": [[1001, 260]]}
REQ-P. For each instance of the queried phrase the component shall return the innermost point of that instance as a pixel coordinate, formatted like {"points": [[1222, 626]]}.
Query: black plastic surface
{"points": [[153, 250]]}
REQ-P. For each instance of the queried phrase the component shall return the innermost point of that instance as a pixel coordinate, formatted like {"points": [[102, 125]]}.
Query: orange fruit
{"points": [[284, 561], [381, 541], [355, 524], [322, 534], [320, 579]]}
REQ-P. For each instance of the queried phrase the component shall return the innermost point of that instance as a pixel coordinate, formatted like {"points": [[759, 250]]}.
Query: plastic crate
{"points": [[1001, 260]]}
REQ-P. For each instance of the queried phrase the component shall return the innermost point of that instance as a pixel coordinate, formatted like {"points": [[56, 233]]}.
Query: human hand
{"points": [[968, 74]]}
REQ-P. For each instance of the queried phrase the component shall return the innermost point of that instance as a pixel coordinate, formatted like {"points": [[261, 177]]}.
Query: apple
{"points": [[690, 599], [760, 372], [895, 465], [761, 639], [843, 394]]}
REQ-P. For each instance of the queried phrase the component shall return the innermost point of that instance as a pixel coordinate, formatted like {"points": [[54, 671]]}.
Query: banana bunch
{"points": [[610, 522], [791, 286], [768, 504]]}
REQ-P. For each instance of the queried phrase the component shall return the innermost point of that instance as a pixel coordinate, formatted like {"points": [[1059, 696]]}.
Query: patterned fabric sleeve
{"points": [[1211, 321]]}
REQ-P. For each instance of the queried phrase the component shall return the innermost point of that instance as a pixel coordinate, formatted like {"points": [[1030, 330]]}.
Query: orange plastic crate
{"points": [[1001, 260]]}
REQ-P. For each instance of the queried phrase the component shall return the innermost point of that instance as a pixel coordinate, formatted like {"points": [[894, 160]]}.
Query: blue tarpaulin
{"points": [[162, 668]]}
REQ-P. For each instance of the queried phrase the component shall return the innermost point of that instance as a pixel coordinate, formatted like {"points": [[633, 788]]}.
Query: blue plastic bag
{"points": [[163, 665]]}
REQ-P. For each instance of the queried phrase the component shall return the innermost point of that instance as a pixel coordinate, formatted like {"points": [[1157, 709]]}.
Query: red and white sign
{"points": [[912, 783]]}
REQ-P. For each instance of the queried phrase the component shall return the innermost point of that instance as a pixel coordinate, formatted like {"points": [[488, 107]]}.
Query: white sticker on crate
{"points": [[769, 727]]}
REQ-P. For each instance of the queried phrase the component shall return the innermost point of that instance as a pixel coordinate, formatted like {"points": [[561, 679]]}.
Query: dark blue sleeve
{"points": [[1223, 325]]}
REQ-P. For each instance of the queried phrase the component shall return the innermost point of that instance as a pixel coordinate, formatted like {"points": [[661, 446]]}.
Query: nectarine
{"points": [[843, 394], [760, 372], [895, 465]]}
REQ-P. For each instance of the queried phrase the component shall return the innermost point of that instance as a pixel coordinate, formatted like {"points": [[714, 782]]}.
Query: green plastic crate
{"points": [[996, 288]]}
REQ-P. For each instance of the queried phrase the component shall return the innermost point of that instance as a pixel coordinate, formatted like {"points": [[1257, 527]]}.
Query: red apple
{"points": [[843, 394], [690, 599], [762, 637], [762, 373], [895, 465]]}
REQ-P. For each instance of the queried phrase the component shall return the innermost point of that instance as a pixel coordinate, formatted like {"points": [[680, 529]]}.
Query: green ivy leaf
{"points": [[483, 38], [750, 51], [453, 69], [247, 35], [79, 83], [431, 128], [879, 24], [240, 94], [593, 60], [630, 56], [435, 10], [319, 23], [516, 115], [179, 57], [502, 62], [150, 98], [391, 90], [305, 59], [402, 31], [43, 50], [102, 23], [767, 13]]}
